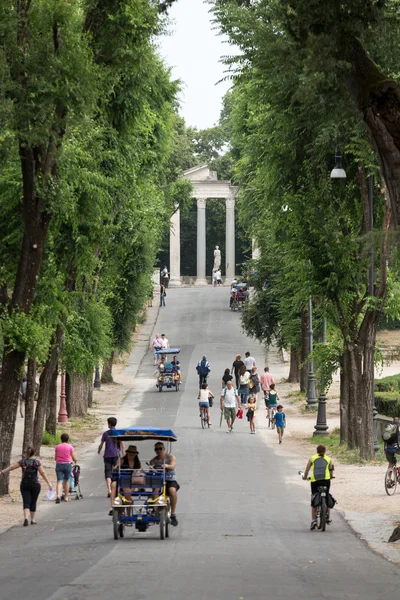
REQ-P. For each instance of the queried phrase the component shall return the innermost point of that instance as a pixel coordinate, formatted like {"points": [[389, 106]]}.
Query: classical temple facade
{"points": [[206, 186]]}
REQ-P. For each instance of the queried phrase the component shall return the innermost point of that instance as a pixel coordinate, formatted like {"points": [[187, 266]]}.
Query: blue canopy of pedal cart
{"points": [[169, 351], [135, 434]]}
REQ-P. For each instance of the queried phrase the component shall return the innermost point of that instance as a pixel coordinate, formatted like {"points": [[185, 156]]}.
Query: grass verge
{"points": [[345, 455]]}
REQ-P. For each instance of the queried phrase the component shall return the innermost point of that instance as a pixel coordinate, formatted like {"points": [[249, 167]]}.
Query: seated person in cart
{"points": [[176, 368], [129, 462], [163, 461]]}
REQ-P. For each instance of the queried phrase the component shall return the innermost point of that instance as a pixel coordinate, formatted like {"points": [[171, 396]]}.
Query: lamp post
{"points": [[311, 395], [321, 426], [371, 291], [62, 413]]}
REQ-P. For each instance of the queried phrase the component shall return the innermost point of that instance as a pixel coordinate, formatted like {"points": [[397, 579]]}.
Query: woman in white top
{"points": [[204, 395], [243, 390]]}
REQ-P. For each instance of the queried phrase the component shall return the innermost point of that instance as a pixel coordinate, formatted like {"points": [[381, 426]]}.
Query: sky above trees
{"points": [[193, 50]]}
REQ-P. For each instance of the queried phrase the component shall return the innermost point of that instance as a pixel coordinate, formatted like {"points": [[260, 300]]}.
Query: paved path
{"points": [[243, 515]]}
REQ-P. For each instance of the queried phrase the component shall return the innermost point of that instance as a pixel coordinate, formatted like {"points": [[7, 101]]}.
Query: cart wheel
{"points": [[121, 529], [163, 514], [177, 387], [160, 388], [115, 523], [81, 496], [167, 529]]}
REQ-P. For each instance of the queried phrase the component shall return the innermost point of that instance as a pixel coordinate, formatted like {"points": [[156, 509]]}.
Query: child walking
{"points": [[272, 400], [280, 422], [251, 413]]}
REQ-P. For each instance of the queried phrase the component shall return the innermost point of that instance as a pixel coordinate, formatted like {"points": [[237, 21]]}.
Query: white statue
{"points": [[217, 258]]}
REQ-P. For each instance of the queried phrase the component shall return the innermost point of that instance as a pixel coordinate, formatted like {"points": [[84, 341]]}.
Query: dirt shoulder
{"points": [[83, 432]]}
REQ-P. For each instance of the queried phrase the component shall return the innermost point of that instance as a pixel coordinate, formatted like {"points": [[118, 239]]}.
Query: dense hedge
{"points": [[388, 384], [388, 403]]}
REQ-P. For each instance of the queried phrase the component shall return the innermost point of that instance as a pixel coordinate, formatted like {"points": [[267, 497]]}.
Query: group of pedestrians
{"points": [[241, 386]]}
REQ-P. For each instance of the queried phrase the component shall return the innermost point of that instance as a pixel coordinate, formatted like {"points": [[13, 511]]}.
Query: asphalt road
{"points": [[243, 514]]}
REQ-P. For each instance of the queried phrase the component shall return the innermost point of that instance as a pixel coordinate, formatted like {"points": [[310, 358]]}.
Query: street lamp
{"points": [[321, 427], [371, 291], [311, 395], [338, 172]]}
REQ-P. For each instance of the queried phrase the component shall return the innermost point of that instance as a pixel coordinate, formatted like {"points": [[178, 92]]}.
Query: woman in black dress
{"points": [[237, 364]]}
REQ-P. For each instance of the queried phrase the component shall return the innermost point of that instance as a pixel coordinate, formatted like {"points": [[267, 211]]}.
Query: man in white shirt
{"points": [[218, 277], [249, 361], [229, 403], [164, 342]]}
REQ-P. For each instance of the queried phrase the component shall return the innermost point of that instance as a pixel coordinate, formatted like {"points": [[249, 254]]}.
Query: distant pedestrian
{"points": [[237, 363], [164, 342], [165, 276], [272, 400], [243, 385], [249, 361], [64, 454], [112, 451], [214, 278], [280, 422], [156, 345], [203, 369], [163, 294], [226, 377], [251, 413], [218, 277], [229, 403], [266, 380], [30, 484], [254, 383]]}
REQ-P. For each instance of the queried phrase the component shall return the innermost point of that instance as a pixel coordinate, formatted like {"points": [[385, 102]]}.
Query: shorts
{"points": [[280, 429], [229, 412], [204, 404], [109, 464], [269, 405], [315, 485], [171, 484], [63, 471]]}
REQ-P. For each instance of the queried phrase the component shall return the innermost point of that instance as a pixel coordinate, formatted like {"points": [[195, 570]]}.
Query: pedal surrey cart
{"points": [[141, 499], [168, 377]]}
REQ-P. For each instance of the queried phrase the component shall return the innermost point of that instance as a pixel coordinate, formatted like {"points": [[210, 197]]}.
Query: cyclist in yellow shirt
{"points": [[321, 467]]}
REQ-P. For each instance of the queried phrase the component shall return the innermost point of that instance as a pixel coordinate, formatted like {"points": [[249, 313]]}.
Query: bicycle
{"points": [[204, 417], [392, 477], [322, 507], [271, 422]]}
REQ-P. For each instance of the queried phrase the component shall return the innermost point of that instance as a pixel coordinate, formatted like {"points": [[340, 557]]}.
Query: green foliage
{"points": [[388, 403], [388, 384], [49, 439]]}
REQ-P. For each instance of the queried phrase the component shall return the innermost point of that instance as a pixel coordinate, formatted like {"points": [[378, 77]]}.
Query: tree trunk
{"points": [[29, 405], [90, 394], [304, 351], [78, 395], [106, 373], [294, 372], [51, 414], [378, 98], [36, 224], [46, 379], [344, 400]]}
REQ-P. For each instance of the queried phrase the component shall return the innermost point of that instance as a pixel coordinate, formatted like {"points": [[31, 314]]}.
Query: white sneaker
{"points": [[228, 430]]}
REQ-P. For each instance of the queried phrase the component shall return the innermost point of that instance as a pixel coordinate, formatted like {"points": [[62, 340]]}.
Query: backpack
{"points": [[390, 433], [30, 473]]}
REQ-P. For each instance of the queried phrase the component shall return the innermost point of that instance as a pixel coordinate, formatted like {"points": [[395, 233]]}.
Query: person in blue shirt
{"points": [[280, 422]]}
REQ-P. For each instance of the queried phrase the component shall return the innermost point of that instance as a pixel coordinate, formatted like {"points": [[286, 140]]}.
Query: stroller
{"points": [[74, 485]]}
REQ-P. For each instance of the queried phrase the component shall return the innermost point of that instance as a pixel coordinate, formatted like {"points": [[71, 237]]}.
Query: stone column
{"points": [[201, 242], [175, 250], [230, 240]]}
